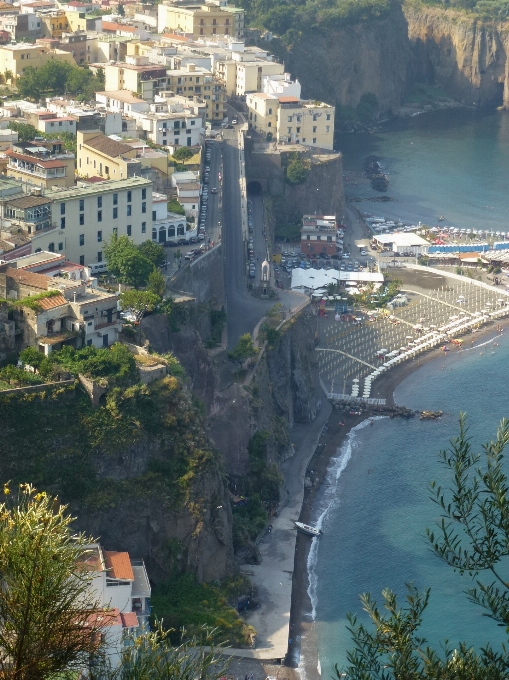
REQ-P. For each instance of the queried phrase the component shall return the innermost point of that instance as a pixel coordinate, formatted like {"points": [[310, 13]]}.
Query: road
{"points": [[243, 311]]}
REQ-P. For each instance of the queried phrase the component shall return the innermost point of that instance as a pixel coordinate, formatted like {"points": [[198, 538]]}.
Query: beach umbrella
{"points": [[355, 380]]}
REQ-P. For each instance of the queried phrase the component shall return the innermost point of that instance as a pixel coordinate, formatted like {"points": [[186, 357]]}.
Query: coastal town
{"points": [[198, 310]]}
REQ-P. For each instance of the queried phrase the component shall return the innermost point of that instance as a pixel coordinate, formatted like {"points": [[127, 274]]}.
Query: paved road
{"points": [[243, 311]]}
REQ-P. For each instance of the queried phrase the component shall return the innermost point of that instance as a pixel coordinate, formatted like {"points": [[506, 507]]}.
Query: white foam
{"points": [[329, 501]]}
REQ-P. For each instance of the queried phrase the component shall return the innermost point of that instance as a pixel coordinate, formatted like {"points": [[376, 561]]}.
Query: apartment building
{"points": [[193, 81], [48, 122], [101, 156], [200, 20], [15, 58], [54, 24], [168, 226], [139, 77], [44, 163], [77, 221], [319, 235], [290, 120]]}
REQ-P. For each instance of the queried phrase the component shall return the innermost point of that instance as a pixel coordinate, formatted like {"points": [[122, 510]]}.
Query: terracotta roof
{"points": [[28, 278], [174, 36], [109, 147], [118, 565], [129, 620], [109, 617], [52, 302], [36, 161], [289, 100], [111, 26], [27, 201]]}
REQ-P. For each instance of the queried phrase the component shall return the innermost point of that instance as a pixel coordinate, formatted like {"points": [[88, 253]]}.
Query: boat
{"points": [[441, 218], [306, 529]]}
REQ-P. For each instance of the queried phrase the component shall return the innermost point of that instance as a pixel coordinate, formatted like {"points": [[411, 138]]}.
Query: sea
{"points": [[452, 163], [376, 503]]}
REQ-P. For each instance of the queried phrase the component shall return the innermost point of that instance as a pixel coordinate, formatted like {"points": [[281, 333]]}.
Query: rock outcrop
{"points": [[466, 56]]}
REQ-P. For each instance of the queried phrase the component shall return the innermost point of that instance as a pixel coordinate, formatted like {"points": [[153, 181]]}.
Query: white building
{"points": [[281, 86], [168, 226]]}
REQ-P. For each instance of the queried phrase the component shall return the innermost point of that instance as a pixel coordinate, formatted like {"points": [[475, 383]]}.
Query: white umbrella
{"points": [[355, 380]]}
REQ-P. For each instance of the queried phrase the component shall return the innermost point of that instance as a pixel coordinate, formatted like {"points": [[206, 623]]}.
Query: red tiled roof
{"points": [[111, 26], [102, 618], [118, 565], [174, 36], [289, 100], [28, 278], [35, 160], [52, 302], [129, 620]]}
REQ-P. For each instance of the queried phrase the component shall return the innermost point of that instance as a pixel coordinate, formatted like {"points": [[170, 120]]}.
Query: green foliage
{"points": [[217, 324], [26, 132], [13, 376], [157, 283], [32, 301], [182, 602], [296, 171], [31, 357], [472, 537], [272, 335], [58, 77], [139, 301], [183, 153], [153, 252], [175, 207], [125, 261], [243, 350], [43, 590], [115, 363]]}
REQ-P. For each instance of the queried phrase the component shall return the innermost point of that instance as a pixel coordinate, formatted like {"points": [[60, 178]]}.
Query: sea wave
{"points": [[329, 501]]}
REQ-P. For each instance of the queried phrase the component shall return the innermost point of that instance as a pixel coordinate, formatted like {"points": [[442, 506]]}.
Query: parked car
{"points": [[234, 121], [213, 190]]}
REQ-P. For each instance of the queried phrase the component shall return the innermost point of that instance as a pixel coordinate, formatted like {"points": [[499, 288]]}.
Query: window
{"points": [[143, 227], [270, 112], [82, 259], [327, 117], [60, 246], [62, 223], [289, 130], [62, 208], [106, 170], [82, 239], [193, 122], [329, 239], [100, 256], [99, 236], [315, 117], [129, 196], [99, 201], [82, 204], [327, 128], [129, 230], [298, 130], [153, 216], [129, 207], [290, 118], [115, 231], [82, 219], [154, 234], [143, 207], [314, 140], [115, 199], [51, 247], [314, 128], [143, 194], [115, 213], [99, 215]]}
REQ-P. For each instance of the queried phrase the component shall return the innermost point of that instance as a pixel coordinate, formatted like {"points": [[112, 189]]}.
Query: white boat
{"points": [[306, 529]]}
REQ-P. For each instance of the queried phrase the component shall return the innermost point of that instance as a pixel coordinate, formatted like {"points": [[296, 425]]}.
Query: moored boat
{"points": [[306, 529]]}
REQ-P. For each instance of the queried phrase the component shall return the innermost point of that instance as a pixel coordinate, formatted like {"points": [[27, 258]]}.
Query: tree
{"points": [[175, 207], [26, 132], [153, 252], [183, 153], [157, 283], [473, 538], [46, 629], [243, 350], [139, 302], [296, 172], [32, 357], [125, 261]]}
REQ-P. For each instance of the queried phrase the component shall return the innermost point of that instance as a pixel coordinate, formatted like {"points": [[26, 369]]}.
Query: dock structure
{"points": [[350, 353]]}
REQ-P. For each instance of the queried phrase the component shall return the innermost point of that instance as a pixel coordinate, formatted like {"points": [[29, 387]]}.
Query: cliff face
{"points": [[464, 55], [341, 65]]}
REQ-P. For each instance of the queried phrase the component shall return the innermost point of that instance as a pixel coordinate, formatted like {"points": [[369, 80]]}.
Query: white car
{"points": [[234, 121], [364, 252], [346, 256]]}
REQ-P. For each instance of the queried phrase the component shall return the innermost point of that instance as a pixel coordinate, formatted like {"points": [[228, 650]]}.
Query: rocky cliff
{"points": [[342, 64], [466, 56]]}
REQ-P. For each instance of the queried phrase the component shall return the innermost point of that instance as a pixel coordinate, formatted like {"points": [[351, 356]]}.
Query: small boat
{"points": [[306, 529], [441, 218]]}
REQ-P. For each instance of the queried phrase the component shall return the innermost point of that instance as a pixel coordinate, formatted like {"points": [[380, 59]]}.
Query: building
{"points": [[140, 77], [290, 120], [44, 163], [195, 20], [319, 235], [101, 156], [193, 81], [168, 226], [281, 85], [75, 222], [54, 24], [15, 58], [21, 26], [402, 242], [47, 122]]}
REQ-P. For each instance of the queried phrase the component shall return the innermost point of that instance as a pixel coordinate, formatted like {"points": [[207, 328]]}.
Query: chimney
{"points": [[74, 297]]}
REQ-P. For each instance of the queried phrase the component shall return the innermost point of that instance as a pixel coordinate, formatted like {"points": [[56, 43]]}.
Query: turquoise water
{"points": [[379, 508], [453, 163]]}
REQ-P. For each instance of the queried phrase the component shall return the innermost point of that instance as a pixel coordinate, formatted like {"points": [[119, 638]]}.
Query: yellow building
{"points": [[100, 156], [193, 81], [54, 24], [15, 58], [292, 120], [200, 20], [81, 22], [144, 79], [42, 163]]}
